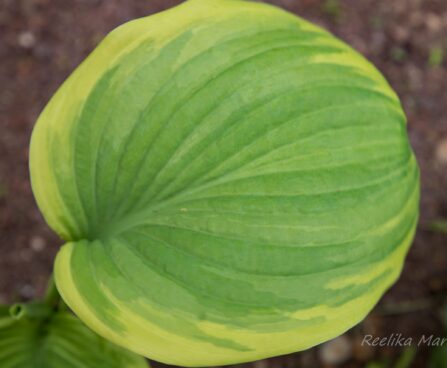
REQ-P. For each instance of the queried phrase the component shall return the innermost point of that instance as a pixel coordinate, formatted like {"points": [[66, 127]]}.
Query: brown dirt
{"points": [[42, 41]]}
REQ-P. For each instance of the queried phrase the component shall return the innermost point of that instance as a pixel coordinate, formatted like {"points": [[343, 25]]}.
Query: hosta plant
{"points": [[231, 183], [43, 334]]}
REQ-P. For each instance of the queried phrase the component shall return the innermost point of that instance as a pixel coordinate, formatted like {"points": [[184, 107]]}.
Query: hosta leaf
{"points": [[231, 182], [61, 342]]}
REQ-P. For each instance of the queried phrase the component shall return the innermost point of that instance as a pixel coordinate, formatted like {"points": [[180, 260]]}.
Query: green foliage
{"points": [[231, 183], [436, 56], [333, 9], [438, 357], [407, 357], [398, 54], [60, 341], [377, 365], [439, 226]]}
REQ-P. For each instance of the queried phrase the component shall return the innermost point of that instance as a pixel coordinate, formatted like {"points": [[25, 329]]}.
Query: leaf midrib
{"points": [[134, 219]]}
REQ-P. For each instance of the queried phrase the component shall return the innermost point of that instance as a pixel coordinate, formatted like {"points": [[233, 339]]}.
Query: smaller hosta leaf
{"points": [[5, 318], [59, 342]]}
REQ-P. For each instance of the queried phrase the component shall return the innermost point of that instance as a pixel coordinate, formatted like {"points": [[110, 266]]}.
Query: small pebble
{"points": [[37, 243], [433, 22], [26, 40], [260, 364], [336, 351], [27, 291], [441, 152], [401, 34]]}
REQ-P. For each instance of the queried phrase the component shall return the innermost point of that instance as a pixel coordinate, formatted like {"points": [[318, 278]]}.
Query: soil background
{"points": [[42, 41]]}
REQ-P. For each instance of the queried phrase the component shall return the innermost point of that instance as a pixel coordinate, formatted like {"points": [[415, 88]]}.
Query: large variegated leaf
{"points": [[231, 182], [60, 342]]}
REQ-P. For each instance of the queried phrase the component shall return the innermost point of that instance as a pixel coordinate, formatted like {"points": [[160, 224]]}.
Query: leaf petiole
{"points": [[29, 310], [37, 309]]}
